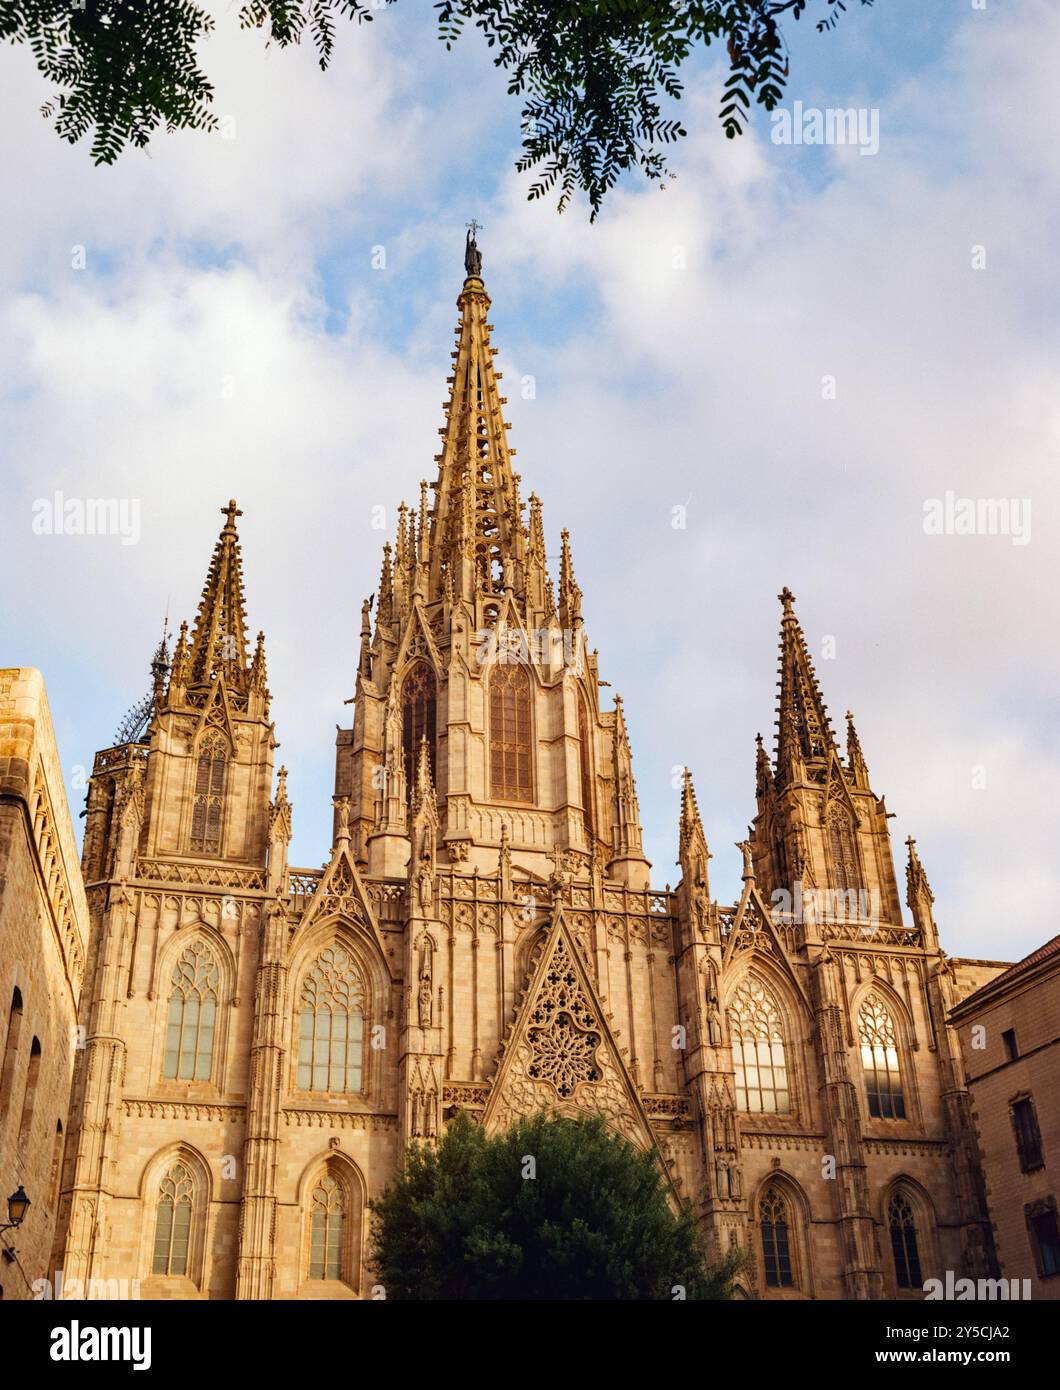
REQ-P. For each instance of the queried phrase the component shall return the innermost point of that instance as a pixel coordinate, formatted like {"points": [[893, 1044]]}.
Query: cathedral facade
{"points": [[261, 1041]]}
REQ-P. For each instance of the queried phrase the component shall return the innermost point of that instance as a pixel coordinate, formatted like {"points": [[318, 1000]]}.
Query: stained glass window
{"points": [[192, 1015], [173, 1224], [208, 806], [775, 1226], [331, 1024], [904, 1245], [879, 1061], [328, 1221], [510, 748], [762, 1085]]}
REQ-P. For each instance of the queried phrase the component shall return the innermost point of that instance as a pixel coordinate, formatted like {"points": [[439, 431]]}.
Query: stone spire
{"points": [[692, 854], [219, 639], [570, 596], [763, 769], [628, 862], [856, 764], [476, 529], [919, 896], [803, 731], [136, 726]]}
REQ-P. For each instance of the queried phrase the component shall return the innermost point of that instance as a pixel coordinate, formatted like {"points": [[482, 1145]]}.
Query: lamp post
{"points": [[17, 1205]]}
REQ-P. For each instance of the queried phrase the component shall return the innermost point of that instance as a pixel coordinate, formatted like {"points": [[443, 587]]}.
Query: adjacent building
{"points": [[1010, 1041], [43, 936]]}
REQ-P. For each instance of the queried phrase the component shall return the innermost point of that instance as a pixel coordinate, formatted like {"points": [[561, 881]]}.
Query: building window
{"points": [[418, 711], [585, 759], [173, 1222], [1044, 1231], [29, 1098], [510, 747], [10, 1059], [327, 1229], [904, 1245], [192, 1016], [775, 1226], [1008, 1037], [331, 1025], [57, 1165], [207, 810], [1028, 1135], [842, 851], [879, 1061], [759, 1059]]}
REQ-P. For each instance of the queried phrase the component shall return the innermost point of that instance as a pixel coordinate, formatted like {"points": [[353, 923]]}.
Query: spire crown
{"points": [[804, 732], [219, 638]]}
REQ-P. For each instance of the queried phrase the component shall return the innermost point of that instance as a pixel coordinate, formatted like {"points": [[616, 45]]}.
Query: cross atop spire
{"points": [[803, 731]]}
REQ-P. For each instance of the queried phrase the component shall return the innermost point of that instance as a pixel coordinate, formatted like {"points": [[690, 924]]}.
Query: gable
{"points": [[561, 1054]]}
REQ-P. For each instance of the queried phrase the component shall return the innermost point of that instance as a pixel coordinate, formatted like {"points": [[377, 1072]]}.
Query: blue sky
{"points": [[229, 336]]}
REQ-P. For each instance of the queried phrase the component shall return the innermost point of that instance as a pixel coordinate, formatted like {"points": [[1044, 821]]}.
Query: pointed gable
{"points": [[341, 891], [561, 1053]]}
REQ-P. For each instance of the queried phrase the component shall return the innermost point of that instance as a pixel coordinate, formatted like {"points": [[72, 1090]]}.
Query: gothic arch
{"points": [[845, 869], [921, 1209], [370, 989], [171, 954], [212, 757], [352, 1192], [905, 1036], [161, 1171], [510, 732], [756, 966], [418, 687], [780, 1200]]}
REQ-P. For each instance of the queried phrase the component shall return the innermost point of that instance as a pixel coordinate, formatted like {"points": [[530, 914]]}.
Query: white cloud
{"points": [[657, 386]]}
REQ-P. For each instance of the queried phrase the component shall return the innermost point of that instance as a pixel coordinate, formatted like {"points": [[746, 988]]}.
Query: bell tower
{"points": [[820, 841]]}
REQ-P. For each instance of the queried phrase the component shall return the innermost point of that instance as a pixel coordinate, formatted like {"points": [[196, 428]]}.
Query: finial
{"points": [[787, 598], [472, 255], [231, 512]]}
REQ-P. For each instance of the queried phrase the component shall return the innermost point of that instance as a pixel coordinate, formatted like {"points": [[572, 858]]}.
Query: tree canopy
{"points": [[594, 76], [554, 1208]]}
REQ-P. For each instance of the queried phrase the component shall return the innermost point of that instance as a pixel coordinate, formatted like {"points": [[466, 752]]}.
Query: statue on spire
{"points": [[472, 255]]}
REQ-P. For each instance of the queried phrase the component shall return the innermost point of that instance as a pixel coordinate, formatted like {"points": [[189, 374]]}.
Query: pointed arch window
{"points": [[176, 1197], [842, 851], [10, 1058], [191, 1022], [904, 1244], [880, 1060], [585, 758], [207, 812], [327, 1229], [331, 1024], [419, 702], [758, 1051], [774, 1224], [510, 735], [29, 1097]]}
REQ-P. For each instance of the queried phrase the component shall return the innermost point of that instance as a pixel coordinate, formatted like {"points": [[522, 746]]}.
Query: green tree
{"points": [[593, 74], [554, 1208]]}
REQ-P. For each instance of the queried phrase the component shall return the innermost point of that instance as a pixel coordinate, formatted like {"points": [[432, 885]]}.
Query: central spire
{"points": [[219, 639], [803, 733], [477, 536]]}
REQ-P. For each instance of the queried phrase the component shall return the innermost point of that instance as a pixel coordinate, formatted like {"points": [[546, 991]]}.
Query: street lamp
{"points": [[17, 1205]]}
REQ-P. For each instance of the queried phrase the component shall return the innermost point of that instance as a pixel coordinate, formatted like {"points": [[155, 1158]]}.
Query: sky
{"points": [[806, 348]]}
